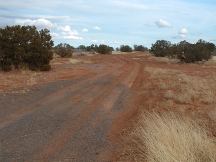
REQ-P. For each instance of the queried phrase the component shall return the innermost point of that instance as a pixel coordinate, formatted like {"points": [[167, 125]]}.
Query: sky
{"points": [[115, 22]]}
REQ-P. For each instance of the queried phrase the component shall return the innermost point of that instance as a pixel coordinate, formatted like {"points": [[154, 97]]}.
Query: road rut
{"points": [[67, 120]]}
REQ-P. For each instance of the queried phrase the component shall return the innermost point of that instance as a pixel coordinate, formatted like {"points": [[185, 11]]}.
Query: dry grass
{"points": [[77, 61], [172, 138], [165, 60], [214, 58], [183, 88], [20, 81], [189, 90], [211, 62]]}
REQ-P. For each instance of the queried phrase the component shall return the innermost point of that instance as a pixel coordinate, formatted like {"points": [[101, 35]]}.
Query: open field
{"points": [[81, 109]]}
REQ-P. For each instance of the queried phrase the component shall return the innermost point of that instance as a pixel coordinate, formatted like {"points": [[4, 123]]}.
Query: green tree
{"points": [[25, 46], [161, 48], [200, 51], [82, 47], [104, 49], [64, 50], [140, 48], [184, 51], [125, 48], [117, 49], [92, 48]]}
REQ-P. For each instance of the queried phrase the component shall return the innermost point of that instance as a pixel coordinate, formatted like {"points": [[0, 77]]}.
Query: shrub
{"points": [[45, 68], [125, 48], [64, 50], [161, 48], [104, 49], [184, 51], [92, 48], [201, 51], [24, 46], [82, 47], [140, 48]]}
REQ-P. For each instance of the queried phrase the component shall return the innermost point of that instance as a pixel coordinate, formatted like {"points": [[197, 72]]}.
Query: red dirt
{"points": [[79, 112]]}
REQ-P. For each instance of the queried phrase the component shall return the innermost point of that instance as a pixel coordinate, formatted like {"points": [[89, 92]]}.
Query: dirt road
{"points": [[67, 119], [76, 112]]}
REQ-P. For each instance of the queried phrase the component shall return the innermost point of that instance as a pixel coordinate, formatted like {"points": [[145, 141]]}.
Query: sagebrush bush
{"points": [[24, 46]]}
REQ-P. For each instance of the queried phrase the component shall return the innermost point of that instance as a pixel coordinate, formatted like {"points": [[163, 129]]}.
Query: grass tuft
{"points": [[172, 138]]}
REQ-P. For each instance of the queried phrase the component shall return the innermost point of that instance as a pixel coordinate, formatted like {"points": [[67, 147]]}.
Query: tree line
{"points": [[66, 50], [27, 47], [122, 48], [184, 51]]}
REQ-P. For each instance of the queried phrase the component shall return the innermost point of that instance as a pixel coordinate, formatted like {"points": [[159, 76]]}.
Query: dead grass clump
{"points": [[76, 61], [172, 138], [212, 61], [164, 60]]}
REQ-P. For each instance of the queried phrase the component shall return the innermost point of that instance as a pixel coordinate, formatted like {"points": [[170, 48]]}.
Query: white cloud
{"points": [[64, 32], [117, 42], [183, 32], [68, 33], [182, 36], [40, 23], [103, 42], [91, 13], [85, 30], [94, 41], [65, 28], [55, 35], [97, 28], [162, 23], [99, 41]]}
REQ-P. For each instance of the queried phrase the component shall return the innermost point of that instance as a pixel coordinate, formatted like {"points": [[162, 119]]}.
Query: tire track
{"points": [[67, 131]]}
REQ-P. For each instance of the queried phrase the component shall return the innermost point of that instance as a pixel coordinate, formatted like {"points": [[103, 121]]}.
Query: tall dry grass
{"points": [[172, 138]]}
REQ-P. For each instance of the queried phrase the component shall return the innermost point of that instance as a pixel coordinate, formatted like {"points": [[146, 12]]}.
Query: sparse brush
{"points": [[172, 138]]}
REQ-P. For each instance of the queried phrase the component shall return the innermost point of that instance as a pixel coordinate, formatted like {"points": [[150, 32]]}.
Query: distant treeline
{"points": [[184, 51], [66, 50], [122, 48], [27, 47]]}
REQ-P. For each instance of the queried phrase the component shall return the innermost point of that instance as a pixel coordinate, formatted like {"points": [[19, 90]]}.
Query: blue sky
{"points": [[115, 22]]}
